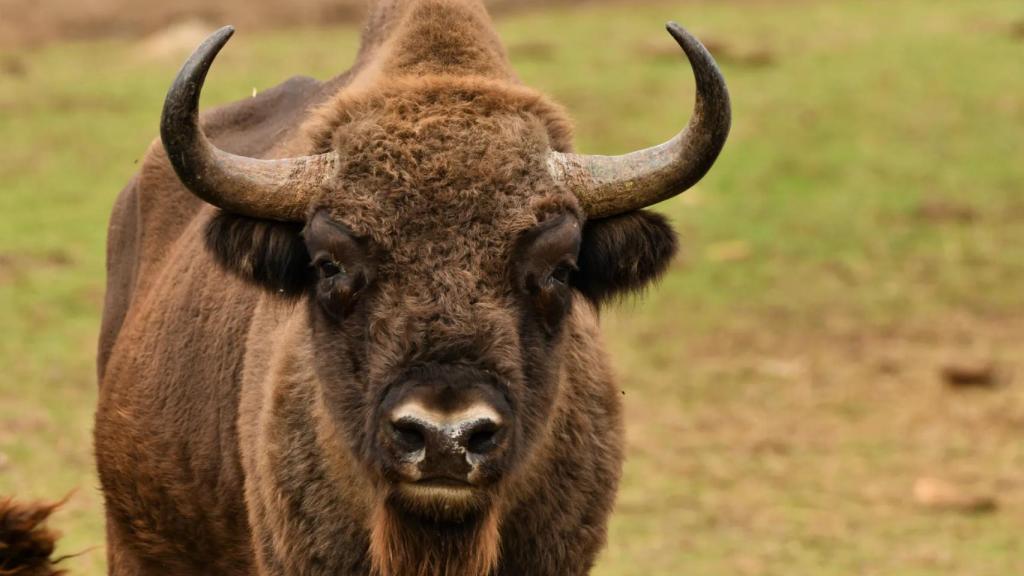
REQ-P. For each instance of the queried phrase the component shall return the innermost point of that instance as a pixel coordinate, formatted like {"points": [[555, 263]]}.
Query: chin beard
{"points": [[414, 537]]}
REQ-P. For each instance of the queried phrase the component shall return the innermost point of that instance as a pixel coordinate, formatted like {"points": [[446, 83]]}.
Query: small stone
{"points": [[941, 495], [970, 374], [783, 368]]}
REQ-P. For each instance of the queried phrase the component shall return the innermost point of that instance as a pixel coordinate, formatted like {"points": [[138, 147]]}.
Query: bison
{"points": [[351, 327]]}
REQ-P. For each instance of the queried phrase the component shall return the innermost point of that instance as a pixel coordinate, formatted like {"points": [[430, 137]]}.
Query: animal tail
{"points": [[26, 544]]}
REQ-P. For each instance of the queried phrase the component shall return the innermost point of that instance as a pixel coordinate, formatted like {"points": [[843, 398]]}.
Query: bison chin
{"points": [[417, 534]]}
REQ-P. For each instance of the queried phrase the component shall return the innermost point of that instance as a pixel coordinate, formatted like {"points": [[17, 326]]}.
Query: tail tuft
{"points": [[26, 544]]}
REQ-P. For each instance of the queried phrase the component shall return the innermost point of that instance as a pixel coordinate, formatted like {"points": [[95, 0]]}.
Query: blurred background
{"points": [[830, 381]]}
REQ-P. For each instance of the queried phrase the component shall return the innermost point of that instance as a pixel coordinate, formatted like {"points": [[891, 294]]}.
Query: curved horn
{"points": [[273, 189], [610, 185]]}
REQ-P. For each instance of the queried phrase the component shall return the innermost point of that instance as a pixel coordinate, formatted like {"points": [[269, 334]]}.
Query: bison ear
{"points": [[623, 254], [267, 253]]}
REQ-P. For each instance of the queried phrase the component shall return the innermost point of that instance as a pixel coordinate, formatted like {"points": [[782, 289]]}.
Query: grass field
{"points": [[863, 230]]}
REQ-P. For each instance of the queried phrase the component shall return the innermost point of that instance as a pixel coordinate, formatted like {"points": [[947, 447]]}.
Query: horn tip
{"points": [[681, 35], [214, 42], [222, 35]]}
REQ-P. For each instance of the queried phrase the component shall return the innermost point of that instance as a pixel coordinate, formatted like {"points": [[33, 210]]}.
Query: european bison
{"points": [[351, 326]]}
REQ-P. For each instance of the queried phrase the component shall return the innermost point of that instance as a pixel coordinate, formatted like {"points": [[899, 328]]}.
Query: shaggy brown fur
{"points": [[239, 428], [403, 544], [26, 544]]}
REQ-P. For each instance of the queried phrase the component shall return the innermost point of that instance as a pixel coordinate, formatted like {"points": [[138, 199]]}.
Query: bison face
{"points": [[441, 376], [440, 268]]}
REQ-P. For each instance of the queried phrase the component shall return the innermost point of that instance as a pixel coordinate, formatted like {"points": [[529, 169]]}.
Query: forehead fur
{"points": [[444, 174], [442, 158]]}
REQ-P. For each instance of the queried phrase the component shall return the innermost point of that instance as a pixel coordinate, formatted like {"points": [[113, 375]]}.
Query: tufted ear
{"points": [[267, 253], [623, 254]]}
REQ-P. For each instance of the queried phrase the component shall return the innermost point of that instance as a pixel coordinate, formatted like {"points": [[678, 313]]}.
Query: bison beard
{"points": [[404, 543], [25, 543]]}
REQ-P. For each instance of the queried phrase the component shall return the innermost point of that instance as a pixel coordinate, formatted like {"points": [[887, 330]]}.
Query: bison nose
{"points": [[446, 446]]}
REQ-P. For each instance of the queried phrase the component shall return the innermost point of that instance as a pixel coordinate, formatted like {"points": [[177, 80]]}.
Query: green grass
{"points": [[781, 382]]}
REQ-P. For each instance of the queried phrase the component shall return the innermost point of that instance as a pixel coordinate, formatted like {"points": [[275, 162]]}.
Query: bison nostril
{"points": [[483, 437], [409, 435]]}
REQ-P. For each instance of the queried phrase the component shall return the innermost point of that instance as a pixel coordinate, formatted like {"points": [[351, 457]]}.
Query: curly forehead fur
{"points": [[425, 156], [443, 173]]}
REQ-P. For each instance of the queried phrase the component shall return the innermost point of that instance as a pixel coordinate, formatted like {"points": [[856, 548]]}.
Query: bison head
{"points": [[441, 236]]}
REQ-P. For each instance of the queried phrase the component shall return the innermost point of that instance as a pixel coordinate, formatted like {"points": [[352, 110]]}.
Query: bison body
{"points": [[389, 361]]}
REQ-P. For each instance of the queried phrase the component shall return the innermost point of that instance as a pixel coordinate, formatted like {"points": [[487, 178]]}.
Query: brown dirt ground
{"points": [[32, 23], [29, 23]]}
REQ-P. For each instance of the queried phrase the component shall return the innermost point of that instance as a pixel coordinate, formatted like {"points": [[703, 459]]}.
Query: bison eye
{"points": [[545, 262], [337, 289], [345, 263], [329, 268], [560, 275]]}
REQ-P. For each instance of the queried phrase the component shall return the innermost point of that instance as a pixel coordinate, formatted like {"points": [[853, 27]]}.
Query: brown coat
{"points": [[26, 544], [231, 428]]}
